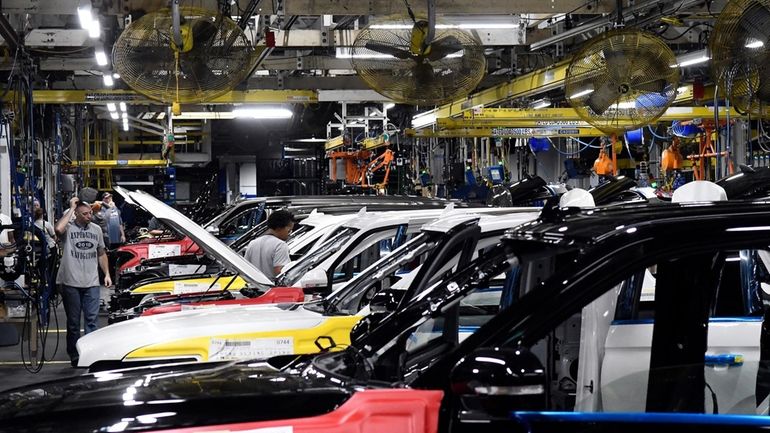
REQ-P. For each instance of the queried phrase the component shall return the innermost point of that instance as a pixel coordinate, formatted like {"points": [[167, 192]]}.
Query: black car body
{"points": [[505, 375]]}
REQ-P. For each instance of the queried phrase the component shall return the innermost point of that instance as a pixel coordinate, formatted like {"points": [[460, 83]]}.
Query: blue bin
{"points": [[687, 131], [538, 144], [635, 137]]}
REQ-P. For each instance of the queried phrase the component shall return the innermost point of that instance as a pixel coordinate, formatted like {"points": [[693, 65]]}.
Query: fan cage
{"points": [[622, 80], [144, 56], [454, 76], [740, 51]]}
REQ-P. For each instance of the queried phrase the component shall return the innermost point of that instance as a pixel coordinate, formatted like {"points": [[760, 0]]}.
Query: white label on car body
{"points": [[175, 270], [226, 349], [160, 250], [181, 287]]}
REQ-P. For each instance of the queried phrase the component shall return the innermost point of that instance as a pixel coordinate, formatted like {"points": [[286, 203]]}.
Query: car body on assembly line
{"points": [[408, 370], [258, 331]]}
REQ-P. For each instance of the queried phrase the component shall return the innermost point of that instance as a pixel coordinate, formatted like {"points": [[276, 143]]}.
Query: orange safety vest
{"points": [[603, 164], [671, 159]]}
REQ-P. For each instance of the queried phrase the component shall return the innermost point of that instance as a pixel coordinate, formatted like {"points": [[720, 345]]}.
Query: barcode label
{"points": [[222, 349]]}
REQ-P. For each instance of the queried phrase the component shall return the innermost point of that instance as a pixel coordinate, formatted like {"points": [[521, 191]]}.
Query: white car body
{"points": [[117, 341]]}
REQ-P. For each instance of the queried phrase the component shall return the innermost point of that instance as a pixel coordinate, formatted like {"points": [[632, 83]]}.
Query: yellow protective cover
{"points": [[190, 285], [265, 344]]}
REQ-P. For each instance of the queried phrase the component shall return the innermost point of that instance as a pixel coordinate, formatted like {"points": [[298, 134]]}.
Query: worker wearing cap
{"points": [[83, 253]]}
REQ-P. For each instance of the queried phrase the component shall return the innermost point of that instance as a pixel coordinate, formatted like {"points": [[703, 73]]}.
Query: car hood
{"points": [[210, 244], [114, 342], [167, 396]]}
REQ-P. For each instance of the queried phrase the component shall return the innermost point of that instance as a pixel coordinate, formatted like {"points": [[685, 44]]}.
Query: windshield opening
{"points": [[391, 271], [321, 253]]}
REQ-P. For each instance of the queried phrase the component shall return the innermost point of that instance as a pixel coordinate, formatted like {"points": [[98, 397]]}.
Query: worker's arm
{"points": [[104, 264], [61, 225]]}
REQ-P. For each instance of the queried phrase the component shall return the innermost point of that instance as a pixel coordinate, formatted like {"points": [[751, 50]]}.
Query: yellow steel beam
{"points": [[564, 117], [120, 163], [530, 84], [131, 97], [566, 131], [334, 143], [375, 142]]}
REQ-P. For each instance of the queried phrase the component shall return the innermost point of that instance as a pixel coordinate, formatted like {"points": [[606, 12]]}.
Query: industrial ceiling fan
{"points": [[415, 63], [740, 52], [183, 55]]}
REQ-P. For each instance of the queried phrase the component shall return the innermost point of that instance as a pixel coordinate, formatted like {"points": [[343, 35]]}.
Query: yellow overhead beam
{"points": [[334, 143], [131, 97], [561, 117], [566, 131], [530, 84], [121, 163], [375, 142]]}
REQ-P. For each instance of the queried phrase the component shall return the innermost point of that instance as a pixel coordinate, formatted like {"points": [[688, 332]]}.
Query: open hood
{"points": [[211, 245]]}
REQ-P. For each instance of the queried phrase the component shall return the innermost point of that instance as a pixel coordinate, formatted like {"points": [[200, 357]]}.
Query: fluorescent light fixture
{"points": [[116, 75], [581, 93], [84, 13], [111, 106], [692, 58], [465, 26], [123, 106], [114, 115], [754, 43], [345, 53], [423, 119], [94, 29], [108, 80], [263, 113], [124, 115], [624, 105], [125, 124], [389, 105], [101, 58], [540, 103]]}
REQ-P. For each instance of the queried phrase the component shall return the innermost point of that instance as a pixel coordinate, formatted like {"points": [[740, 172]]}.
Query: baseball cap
{"points": [[106, 194]]}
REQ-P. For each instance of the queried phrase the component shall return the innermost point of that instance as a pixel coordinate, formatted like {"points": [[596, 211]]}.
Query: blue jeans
{"points": [[77, 301]]}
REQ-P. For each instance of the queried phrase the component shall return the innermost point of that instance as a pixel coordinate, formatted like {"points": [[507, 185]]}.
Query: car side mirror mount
{"points": [[495, 381], [314, 280], [386, 301]]}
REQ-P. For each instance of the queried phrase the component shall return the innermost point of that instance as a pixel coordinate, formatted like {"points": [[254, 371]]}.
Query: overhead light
{"points": [[114, 115], [540, 103], [115, 75], [101, 58], [581, 93], [495, 24], [423, 119], [346, 53], [123, 106], [263, 113], [84, 13], [124, 115], [624, 105], [754, 43], [125, 124], [108, 80], [111, 106], [389, 105], [692, 58], [94, 29]]}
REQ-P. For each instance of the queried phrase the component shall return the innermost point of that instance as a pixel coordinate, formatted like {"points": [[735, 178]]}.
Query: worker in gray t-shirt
{"points": [[83, 250], [269, 252]]}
